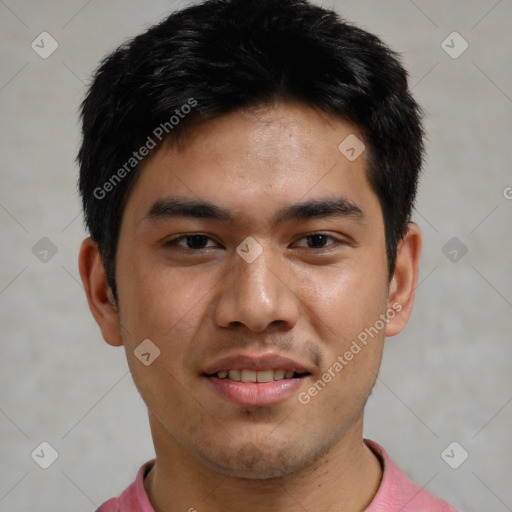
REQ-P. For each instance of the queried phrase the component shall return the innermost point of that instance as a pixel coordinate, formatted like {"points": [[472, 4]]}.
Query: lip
{"points": [[255, 362], [255, 394], [251, 393]]}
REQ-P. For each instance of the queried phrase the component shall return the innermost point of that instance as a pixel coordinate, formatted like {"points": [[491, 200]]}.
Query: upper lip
{"points": [[255, 362]]}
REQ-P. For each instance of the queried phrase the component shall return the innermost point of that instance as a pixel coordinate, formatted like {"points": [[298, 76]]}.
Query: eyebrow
{"points": [[171, 207]]}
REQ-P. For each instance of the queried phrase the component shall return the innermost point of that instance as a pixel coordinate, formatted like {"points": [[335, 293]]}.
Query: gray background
{"points": [[446, 378]]}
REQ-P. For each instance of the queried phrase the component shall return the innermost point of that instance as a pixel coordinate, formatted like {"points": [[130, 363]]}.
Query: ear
{"points": [[99, 295], [405, 279]]}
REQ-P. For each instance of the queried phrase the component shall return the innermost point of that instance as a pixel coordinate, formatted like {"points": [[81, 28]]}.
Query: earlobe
{"points": [[405, 279], [99, 295]]}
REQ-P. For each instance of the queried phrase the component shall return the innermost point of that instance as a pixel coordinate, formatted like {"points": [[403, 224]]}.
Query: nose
{"points": [[257, 294]]}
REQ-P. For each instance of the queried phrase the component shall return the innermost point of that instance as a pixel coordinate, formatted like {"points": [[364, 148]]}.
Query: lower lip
{"points": [[251, 393]]}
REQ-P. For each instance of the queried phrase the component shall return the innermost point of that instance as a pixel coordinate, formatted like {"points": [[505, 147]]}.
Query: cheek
{"points": [[348, 308], [158, 301], [167, 307], [347, 300], [352, 339]]}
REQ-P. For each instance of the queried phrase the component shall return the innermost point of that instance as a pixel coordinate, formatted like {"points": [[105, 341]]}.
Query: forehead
{"points": [[257, 160], [282, 134]]}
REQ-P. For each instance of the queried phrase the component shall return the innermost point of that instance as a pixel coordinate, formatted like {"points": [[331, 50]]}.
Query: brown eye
{"points": [[319, 240], [193, 241]]}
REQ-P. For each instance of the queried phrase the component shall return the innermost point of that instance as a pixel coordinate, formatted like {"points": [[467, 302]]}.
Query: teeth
{"points": [[279, 374], [248, 376], [265, 376], [255, 376], [234, 375]]}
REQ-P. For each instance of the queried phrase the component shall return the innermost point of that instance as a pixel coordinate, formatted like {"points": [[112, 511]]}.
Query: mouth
{"points": [[257, 376], [255, 380]]}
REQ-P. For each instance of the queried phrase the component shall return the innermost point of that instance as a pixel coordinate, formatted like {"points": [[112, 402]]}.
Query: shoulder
{"points": [[397, 492], [133, 498]]}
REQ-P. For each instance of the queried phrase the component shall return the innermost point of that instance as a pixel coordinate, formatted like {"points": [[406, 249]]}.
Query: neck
{"points": [[345, 478]]}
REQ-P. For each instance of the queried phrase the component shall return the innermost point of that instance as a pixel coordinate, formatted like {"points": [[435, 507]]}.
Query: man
{"points": [[248, 171]]}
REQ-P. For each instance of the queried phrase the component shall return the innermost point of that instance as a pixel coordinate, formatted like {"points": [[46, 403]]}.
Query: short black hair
{"points": [[218, 56]]}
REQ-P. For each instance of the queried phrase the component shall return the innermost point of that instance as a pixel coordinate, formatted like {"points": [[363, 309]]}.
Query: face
{"points": [[232, 282]]}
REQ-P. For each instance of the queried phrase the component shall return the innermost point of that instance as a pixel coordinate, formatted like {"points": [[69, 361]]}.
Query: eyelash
{"points": [[174, 241]]}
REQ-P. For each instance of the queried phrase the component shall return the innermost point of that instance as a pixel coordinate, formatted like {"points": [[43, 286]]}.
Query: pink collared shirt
{"points": [[396, 492]]}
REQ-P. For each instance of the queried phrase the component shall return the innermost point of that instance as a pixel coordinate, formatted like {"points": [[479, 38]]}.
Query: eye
{"points": [[319, 240], [198, 241], [194, 241]]}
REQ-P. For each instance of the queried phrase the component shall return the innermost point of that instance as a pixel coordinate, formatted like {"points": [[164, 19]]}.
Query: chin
{"points": [[253, 461]]}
